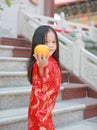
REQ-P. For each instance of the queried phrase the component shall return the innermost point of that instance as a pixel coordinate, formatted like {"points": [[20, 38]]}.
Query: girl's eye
{"points": [[54, 42], [46, 41]]}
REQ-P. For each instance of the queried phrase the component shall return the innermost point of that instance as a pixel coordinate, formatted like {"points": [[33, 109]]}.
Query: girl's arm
{"points": [[42, 61]]}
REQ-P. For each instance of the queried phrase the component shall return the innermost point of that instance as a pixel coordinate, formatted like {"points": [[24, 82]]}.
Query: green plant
{"points": [[7, 2]]}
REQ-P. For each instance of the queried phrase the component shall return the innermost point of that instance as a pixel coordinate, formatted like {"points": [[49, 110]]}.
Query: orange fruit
{"points": [[42, 50]]}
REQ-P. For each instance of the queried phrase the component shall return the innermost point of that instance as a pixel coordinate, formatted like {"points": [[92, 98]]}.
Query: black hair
{"points": [[39, 38]]}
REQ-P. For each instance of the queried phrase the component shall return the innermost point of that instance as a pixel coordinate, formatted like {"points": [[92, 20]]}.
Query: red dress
{"points": [[43, 96]]}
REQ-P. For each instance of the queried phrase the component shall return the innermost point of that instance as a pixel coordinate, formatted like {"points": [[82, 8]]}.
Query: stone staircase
{"points": [[73, 107]]}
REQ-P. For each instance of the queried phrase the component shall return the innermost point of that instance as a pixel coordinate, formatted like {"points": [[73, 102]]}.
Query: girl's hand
{"points": [[42, 60]]}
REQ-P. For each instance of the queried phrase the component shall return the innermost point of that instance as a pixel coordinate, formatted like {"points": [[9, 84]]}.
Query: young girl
{"points": [[44, 75]]}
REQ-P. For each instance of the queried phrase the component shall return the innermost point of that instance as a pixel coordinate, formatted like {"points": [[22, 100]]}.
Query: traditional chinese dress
{"points": [[43, 96]]}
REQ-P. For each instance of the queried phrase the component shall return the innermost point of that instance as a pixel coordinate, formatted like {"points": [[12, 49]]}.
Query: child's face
{"points": [[51, 42]]}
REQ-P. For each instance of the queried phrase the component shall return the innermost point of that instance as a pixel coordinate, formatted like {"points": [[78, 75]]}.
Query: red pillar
{"points": [[49, 8]]}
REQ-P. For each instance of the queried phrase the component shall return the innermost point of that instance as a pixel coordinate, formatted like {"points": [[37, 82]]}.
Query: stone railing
{"points": [[73, 55], [77, 59]]}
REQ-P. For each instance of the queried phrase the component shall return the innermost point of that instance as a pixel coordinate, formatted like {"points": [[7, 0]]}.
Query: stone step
{"points": [[14, 51], [91, 106], [16, 119], [12, 97], [67, 112], [15, 97], [69, 76], [21, 52], [65, 74], [90, 110], [13, 64], [73, 90], [18, 63], [89, 124], [18, 78], [22, 42], [92, 92], [6, 51], [13, 78], [13, 119]]}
